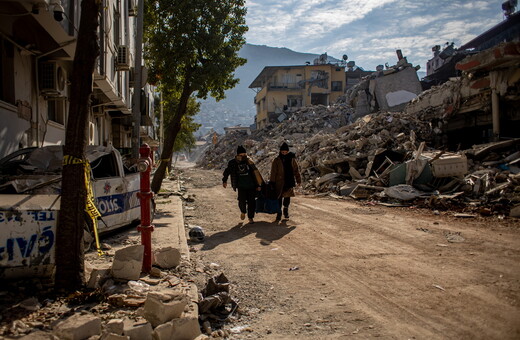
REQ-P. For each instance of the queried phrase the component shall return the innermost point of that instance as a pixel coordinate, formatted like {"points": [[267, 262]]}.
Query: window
{"points": [[294, 101], [6, 72], [56, 110], [337, 86]]}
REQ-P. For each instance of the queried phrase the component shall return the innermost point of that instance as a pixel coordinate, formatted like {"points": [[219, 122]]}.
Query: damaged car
{"points": [[30, 189]]}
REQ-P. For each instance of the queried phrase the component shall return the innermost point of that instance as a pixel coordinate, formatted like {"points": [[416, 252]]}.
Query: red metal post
{"points": [[144, 165]]}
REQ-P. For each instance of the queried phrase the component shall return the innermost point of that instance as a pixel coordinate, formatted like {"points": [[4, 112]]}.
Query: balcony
{"points": [[285, 86]]}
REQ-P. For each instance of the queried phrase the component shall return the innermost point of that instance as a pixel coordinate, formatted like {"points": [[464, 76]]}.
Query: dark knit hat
{"points": [[284, 147], [241, 149]]}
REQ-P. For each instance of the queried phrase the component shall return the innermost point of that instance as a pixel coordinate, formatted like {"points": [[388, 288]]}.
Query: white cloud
{"points": [[369, 31]]}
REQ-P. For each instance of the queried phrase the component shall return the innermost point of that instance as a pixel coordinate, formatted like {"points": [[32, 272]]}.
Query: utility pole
{"points": [[136, 107]]}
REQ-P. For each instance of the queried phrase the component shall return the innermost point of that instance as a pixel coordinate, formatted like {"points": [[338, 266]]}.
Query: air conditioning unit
{"points": [[123, 58], [52, 79]]}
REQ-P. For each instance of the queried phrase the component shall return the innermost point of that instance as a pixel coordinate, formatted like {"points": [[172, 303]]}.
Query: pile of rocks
{"points": [[121, 304], [361, 158]]}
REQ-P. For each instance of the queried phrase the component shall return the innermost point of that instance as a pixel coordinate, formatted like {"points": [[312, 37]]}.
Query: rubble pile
{"points": [[386, 149], [119, 304], [263, 144]]}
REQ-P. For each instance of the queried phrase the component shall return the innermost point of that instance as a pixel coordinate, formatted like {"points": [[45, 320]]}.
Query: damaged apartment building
{"points": [[37, 46], [282, 90]]}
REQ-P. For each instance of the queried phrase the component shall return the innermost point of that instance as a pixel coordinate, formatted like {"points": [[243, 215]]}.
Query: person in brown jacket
{"points": [[285, 174]]}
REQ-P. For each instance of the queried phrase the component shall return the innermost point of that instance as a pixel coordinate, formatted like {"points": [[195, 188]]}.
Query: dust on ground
{"points": [[341, 268]]}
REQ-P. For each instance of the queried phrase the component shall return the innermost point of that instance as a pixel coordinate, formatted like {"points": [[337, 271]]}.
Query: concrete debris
{"points": [[115, 326], [164, 306], [128, 262], [344, 153], [137, 330], [167, 257], [78, 327], [385, 90]]}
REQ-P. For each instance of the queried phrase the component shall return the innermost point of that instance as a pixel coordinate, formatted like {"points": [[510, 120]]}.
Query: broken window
{"points": [[294, 101], [319, 78], [337, 86], [105, 166]]}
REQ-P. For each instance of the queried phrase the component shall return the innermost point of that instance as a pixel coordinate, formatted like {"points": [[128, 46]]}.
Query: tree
{"points": [[192, 46], [69, 236], [185, 139]]}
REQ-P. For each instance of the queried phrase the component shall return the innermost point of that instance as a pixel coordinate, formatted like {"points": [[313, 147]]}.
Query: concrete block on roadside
{"points": [[160, 307], [167, 257], [515, 211], [78, 327], [115, 326], [185, 328], [137, 330], [128, 263]]}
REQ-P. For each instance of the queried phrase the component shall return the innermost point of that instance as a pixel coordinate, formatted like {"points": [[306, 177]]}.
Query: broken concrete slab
{"points": [[115, 326], [167, 257], [128, 263], [164, 306], [78, 327], [137, 330], [187, 328], [98, 276]]}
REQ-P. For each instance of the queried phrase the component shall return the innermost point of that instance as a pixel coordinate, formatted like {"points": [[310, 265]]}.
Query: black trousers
{"points": [[285, 202], [246, 201]]}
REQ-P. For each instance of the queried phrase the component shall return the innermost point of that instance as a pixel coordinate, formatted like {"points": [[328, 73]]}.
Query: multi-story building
{"points": [[37, 47], [284, 89]]}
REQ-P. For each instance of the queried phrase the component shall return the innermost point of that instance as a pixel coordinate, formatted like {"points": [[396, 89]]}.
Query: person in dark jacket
{"points": [[285, 174], [246, 179]]}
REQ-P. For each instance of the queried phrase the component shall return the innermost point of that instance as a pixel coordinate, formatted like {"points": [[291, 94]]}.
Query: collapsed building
{"points": [[386, 89], [404, 155]]}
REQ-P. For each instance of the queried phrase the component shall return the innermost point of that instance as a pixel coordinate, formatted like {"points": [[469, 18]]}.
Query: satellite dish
{"points": [[345, 57]]}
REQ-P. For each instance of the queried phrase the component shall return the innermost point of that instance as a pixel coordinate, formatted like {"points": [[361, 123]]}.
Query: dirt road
{"points": [[339, 269]]}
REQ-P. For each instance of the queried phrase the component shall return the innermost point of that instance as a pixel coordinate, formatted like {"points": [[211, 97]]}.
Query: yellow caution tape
{"points": [[90, 207]]}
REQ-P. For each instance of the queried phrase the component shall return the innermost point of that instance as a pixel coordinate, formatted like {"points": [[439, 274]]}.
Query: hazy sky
{"points": [[369, 31]]}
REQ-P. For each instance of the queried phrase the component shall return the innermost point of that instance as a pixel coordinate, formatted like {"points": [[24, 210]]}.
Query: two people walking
{"points": [[247, 180]]}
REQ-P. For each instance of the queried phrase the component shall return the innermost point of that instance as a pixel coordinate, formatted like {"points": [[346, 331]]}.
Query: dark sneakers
{"points": [[278, 217]]}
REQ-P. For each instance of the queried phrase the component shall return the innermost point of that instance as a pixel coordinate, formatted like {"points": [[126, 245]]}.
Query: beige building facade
{"points": [[284, 89]]}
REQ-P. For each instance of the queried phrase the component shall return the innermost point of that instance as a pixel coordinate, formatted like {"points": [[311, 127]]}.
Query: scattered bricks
{"points": [[115, 326], [168, 257], [185, 328], [160, 308], [98, 277], [128, 262], [138, 330], [78, 327]]}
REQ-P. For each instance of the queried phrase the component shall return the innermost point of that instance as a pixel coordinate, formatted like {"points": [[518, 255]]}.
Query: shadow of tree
{"points": [[265, 231]]}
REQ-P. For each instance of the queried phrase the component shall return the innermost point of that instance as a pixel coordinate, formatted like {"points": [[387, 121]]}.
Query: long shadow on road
{"points": [[265, 231]]}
